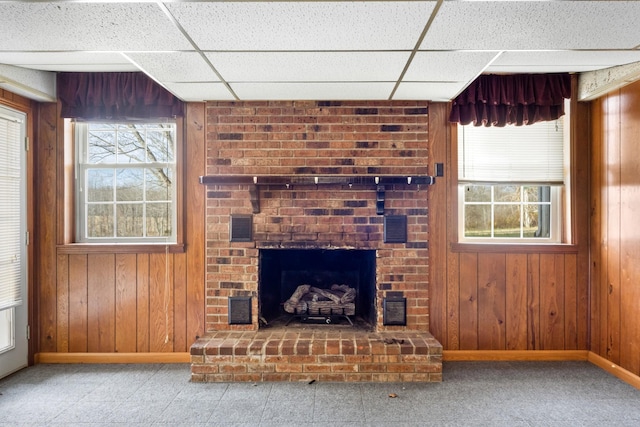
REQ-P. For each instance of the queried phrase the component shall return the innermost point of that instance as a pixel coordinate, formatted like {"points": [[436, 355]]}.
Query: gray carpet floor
{"points": [[472, 394]]}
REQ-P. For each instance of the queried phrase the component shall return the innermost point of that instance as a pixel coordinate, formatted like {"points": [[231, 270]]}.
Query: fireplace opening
{"points": [[312, 275]]}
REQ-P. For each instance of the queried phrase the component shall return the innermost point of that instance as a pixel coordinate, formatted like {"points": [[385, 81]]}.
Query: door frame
{"points": [[29, 108]]}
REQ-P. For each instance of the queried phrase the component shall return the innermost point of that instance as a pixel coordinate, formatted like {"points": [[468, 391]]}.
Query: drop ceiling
{"points": [[321, 50]]}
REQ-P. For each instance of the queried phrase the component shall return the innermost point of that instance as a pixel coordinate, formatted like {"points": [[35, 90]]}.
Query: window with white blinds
{"points": [[514, 154], [12, 135], [511, 181]]}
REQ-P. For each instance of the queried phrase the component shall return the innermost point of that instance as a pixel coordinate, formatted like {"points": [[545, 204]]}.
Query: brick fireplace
{"points": [[327, 192]]}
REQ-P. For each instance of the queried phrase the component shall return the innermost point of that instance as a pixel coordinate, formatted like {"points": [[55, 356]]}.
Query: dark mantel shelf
{"points": [[378, 182], [359, 180]]}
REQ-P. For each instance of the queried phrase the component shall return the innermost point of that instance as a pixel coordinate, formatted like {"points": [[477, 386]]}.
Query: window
{"points": [[126, 190], [511, 183]]}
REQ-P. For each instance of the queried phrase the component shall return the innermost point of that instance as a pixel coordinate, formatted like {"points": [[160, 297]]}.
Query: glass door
{"points": [[13, 235]]}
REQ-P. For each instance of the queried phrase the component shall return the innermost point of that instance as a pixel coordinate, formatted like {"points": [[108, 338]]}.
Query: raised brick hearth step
{"points": [[315, 354]]}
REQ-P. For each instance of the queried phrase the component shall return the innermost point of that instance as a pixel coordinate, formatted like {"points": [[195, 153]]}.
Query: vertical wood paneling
{"points": [[570, 302], [195, 166], [125, 309], [613, 228], [101, 289], [468, 301], [45, 218], [630, 238], [491, 301], [516, 301], [607, 120], [142, 302], [438, 297], [581, 186], [453, 303], [509, 300], [88, 302], [533, 305], [615, 247], [78, 304], [62, 314], [180, 303], [595, 242], [160, 302], [552, 301]]}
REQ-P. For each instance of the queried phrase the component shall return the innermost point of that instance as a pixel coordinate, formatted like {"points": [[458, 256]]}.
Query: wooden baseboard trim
{"points": [[112, 358], [513, 355], [542, 355], [615, 370]]}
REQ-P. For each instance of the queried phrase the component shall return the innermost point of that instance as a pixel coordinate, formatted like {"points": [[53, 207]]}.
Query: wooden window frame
{"points": [[67, 213], [568, 204]]}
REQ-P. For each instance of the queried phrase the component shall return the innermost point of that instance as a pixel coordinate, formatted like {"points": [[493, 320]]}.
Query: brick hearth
{"points": [[321, 354]]}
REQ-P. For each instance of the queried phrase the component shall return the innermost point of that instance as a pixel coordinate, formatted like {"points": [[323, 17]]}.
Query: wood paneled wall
{"points": [[495, 298], [492, 297], [615, 233], [113, 300]]}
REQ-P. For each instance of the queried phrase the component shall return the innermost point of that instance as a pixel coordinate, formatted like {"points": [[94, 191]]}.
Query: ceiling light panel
{"points": [[511, 25], [303, 25], [198, 92], [308, 66], [448, 66], [174, 66], [312, 91], [88, 26]]}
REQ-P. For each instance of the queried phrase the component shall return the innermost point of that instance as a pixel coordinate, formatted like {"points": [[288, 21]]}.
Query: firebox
{"points": [[335, 273]]}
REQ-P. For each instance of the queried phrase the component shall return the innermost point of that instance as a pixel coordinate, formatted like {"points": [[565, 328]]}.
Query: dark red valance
{"points": [[499, 100], [115, 96]]}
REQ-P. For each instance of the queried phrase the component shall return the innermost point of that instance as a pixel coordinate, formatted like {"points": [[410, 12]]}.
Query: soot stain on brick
{"points": [[233, 136], [366, 111], [367, 144]]}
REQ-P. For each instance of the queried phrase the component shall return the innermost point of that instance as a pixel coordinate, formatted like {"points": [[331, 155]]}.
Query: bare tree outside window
{"points": [[127, 173]]}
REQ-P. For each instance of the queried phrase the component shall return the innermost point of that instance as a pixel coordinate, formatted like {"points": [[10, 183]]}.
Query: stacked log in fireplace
{"points": [[312, 304]]}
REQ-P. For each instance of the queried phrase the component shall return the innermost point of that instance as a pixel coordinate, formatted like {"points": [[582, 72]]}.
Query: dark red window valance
{"points": [[499, 100], [115, 96]]}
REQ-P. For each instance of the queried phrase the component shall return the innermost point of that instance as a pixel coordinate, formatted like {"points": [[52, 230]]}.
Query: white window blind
{"points": [[516, 154], [11, 135]]}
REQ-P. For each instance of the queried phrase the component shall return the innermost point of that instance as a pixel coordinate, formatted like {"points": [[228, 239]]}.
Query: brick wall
{"points": [[308, 138]]}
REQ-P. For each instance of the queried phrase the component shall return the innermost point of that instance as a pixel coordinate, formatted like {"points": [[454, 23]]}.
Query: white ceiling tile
{"points": [[428, 91], [196, 92], [374, 25], [561, 61], [307, 91], [503, 25], [33, 84], [69, 61], [318, 49], [88, 26], [89, 68], [539, 69], [308, 66], [175, 66], [447, 66]]}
